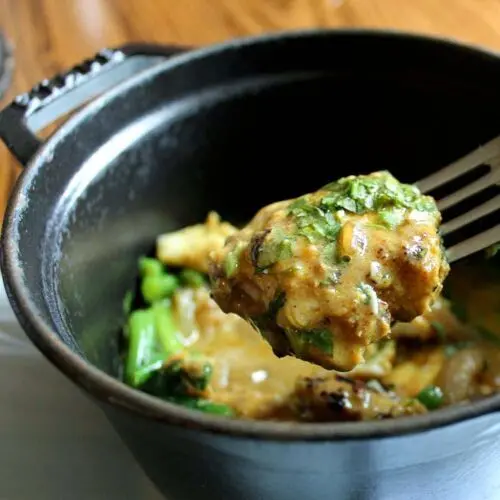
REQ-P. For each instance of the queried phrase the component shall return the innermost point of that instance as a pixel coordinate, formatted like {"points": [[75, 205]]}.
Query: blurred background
{"points": [[50, 438], [48, 36]]}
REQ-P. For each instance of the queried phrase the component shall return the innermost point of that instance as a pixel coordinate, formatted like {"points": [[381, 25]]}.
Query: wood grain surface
{"points": [[51, 35]]}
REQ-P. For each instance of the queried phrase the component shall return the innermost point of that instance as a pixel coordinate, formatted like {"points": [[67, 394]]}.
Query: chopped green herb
{"points": [[313, 222], [366, 193], [391, 218], [303, 208], [346, 203], [274, 248], [329, 253], [431, 397], [303, 340], [321, 220]]}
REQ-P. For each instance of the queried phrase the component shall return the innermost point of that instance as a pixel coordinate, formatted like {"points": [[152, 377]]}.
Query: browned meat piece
{"points": [[337, 398], [325, 275]]}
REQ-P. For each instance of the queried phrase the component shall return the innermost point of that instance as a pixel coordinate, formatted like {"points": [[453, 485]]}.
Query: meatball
{"points": [[325, 275]]}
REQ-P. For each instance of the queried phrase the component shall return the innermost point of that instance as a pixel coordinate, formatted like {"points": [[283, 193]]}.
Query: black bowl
{"points": [[230, 128]]}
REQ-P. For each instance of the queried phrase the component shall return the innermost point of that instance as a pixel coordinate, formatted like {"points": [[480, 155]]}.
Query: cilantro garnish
{"points": [[303, 340], [367, 193], [273, 247]]}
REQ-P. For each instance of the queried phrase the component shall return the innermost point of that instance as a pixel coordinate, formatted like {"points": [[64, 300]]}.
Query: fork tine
{"points": [[474, 187], [481, 155], [478, 212], [474, 244]]}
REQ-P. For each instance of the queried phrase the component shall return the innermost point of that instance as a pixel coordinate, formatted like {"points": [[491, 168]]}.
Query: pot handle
{"points": [[51, 99]]}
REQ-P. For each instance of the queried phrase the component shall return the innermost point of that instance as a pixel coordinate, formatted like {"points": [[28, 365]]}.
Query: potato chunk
{"points": [[325, 275], [191, 246]]}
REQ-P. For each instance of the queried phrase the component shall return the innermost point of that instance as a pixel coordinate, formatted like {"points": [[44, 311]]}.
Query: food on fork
{"points": [[325, 275], [180, 346]]}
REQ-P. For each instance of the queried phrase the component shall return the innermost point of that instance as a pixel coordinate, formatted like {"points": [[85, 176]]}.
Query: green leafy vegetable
{"points": [[183, 380], [150, 267], [158, 287], [143, 355], [431, 397], [156, 361], [166, 329], [189, 374]]}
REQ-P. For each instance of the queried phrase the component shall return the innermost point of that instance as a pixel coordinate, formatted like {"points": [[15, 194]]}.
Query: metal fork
{"points": [[488, 154]]}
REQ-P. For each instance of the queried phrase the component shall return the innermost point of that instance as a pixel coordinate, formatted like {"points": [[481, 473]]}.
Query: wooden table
{"points": [[51, 35]]}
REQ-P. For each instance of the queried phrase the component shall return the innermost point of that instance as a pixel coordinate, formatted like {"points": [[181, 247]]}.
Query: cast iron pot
{"points": [[230, 128]]}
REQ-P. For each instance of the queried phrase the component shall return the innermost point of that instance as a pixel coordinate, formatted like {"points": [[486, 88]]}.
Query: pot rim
{"points": [[110, 390]]}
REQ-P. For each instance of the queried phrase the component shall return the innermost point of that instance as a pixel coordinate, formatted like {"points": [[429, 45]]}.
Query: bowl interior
{"points": [[231, 130]]}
